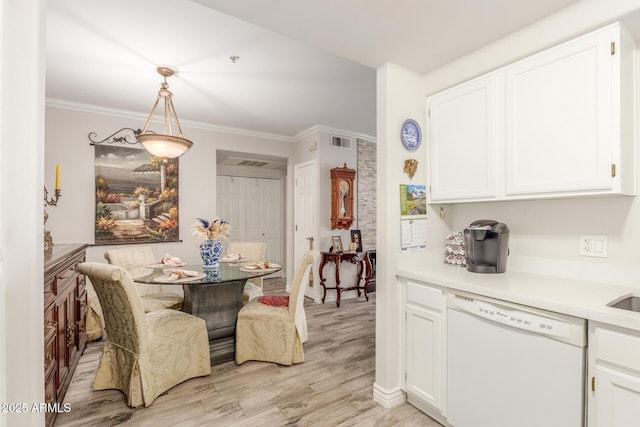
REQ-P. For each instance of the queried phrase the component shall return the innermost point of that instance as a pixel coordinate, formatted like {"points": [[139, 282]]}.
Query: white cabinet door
{"points": [[617, 398], [559, 118], [614, 376], [424, 355], [464, 130]]}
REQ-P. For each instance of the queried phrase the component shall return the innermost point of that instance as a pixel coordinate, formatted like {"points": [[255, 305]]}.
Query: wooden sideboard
{"points": [[65, 313]]}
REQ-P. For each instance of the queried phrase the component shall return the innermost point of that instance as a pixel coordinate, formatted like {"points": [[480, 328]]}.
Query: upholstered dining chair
{"points": [[153, 296], [144, 354], [272, 328], [254, 251]]}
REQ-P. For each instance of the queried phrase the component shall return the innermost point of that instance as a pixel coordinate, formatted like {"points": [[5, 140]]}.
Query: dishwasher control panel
{"points": [[511, 316]]}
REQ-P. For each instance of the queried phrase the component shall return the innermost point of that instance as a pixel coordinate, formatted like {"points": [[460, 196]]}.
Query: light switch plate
{"points": [[592, 245]]}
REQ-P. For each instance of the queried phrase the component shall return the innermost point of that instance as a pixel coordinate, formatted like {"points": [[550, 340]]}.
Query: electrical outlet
{"points": [[595, 246]]}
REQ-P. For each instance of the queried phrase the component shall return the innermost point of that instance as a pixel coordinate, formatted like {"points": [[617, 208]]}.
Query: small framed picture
{"points": [[356, 239], [337, 243]]}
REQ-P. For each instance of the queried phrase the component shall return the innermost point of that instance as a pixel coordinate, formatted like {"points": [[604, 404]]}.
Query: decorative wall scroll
{"points": [[136, 196]]}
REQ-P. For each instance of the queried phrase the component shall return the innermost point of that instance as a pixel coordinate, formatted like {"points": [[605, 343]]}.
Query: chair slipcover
{"points": [[95, 318], [153, 297], [144, 354], [276, 334], [254, 251]]}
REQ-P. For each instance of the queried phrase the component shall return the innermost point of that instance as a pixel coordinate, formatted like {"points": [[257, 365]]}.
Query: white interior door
{"points": [[305, 216], [263, 215], [253, 207], [232, 205]]}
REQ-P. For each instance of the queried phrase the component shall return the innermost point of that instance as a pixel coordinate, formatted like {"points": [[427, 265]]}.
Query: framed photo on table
{"points": [[356, 238], [337, 243]]}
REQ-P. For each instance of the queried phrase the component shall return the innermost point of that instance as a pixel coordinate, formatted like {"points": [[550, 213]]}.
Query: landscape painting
{"points": [[136, 197]]}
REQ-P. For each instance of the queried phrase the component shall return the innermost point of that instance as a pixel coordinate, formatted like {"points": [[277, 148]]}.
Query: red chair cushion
{"points": [[274, 300]]}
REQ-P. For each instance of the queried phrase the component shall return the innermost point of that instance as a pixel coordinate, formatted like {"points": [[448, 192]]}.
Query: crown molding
{"points": [[125, 114], [88, 108], [335, 131]]}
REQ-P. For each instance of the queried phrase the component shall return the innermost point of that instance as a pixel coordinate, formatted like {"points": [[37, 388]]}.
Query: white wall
{"points": [[331, 157], [67, 143], [21, 177], [399, 98]]}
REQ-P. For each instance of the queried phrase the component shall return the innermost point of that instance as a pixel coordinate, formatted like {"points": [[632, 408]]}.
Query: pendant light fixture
{"points": [[165, 145]]}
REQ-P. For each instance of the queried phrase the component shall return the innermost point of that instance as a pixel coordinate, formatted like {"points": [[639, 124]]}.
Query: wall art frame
{"points": [[337, 244], [356, 237], [136, 196]]}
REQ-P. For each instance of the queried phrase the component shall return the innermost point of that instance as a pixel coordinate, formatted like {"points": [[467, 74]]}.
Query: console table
{"points": [[361, 260]]}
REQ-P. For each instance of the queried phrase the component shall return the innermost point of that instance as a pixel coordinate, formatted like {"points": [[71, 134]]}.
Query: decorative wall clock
{"points": [[411, 135], [342, 197]]}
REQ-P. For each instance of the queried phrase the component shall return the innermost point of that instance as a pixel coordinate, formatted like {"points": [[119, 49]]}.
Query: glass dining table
{"points": [[215, 295]]}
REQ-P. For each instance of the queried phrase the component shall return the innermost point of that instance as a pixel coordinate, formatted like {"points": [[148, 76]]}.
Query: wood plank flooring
{"points": [[333, 387]]}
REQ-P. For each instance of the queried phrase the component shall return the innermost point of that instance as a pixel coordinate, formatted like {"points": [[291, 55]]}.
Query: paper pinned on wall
{"points": [[413, 234], [413, 217]]}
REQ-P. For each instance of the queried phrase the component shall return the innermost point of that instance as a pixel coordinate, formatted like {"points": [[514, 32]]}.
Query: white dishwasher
{"points": [[513, 366]]}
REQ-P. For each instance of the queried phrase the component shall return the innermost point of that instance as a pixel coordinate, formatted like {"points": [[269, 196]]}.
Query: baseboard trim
{"points": [[388, 398]]}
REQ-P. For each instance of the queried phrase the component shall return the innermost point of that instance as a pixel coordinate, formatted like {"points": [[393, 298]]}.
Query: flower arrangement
{"points": [[205, 229]]}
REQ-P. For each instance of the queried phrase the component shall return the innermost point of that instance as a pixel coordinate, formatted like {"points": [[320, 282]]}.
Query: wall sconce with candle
{"points": [[48, 240]]}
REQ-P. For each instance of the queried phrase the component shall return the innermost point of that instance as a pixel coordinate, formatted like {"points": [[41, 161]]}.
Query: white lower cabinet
{"points": [[424, 349], [614, 377]]}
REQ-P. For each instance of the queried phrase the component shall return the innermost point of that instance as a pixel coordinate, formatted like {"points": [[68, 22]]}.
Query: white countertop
{"points": [[579, 298]]}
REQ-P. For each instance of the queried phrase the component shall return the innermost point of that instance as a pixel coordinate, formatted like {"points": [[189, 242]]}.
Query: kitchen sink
{"points": [[631, 303]]}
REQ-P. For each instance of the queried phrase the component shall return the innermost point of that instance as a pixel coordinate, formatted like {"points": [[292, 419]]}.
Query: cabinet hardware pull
{"points": [[613, 48], [613, 170], [593, 384], [70, 332]]}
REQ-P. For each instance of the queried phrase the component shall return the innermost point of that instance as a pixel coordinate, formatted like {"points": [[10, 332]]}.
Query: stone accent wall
{"points": [[367, 194]]}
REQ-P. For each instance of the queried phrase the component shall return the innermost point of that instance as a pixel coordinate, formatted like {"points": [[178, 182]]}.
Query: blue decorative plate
{"points": [[411, 135]]}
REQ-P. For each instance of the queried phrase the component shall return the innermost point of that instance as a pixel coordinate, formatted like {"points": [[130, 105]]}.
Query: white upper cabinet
{"points": [[563, 118], [560, 124], [464, 135]]}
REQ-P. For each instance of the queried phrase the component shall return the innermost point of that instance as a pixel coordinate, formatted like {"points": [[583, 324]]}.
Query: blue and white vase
{"points": [[210, 251]]}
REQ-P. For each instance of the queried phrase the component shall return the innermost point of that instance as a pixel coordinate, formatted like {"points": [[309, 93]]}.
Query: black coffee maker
{"points": [[487, 246]]}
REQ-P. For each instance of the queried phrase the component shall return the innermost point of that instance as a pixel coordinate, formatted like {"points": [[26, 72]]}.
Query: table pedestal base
{"points": [[222, 350], [218, 305]]}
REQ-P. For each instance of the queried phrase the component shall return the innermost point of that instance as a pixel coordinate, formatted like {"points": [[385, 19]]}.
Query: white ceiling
{"points": [[302, 63]]}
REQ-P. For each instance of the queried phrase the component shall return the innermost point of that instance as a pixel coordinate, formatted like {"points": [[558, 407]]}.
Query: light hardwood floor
{"points": [[333, 387]]}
